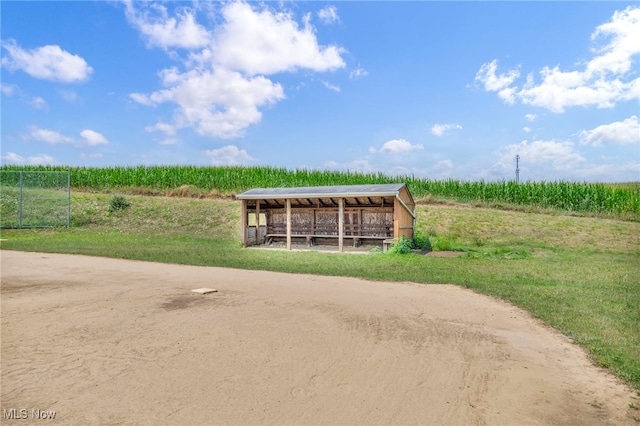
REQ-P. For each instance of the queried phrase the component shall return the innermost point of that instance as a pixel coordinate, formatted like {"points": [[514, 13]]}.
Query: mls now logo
{"points": [[23, 413]]}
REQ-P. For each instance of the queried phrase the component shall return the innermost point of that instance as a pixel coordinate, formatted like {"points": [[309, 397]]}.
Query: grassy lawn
{"points": [[580, 275]]}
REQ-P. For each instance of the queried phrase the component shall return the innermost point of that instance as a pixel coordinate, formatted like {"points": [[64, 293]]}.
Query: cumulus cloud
{"points": [[560, 155], [530, 117], [93, 138], [48, 136], [224, 84], [217, 103], [89, 137], [35, 160], [441, 129], [229, 155], [487, 75], [396, 146], [47, 63], [621, 132], [267, 42], [162, 30], [329, 15], [602, 82]]}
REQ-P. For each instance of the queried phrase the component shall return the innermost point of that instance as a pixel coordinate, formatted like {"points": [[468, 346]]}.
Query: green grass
{"points": [[578, 274]]}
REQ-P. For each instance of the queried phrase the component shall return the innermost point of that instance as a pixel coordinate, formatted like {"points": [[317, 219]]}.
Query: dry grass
{"points": [[471, 226]]}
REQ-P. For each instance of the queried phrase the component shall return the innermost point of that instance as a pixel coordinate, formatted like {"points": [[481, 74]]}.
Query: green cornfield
{"points": [[618, 199]]}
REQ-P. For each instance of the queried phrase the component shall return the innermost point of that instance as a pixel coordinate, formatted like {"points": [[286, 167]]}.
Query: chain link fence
{"points": [[33, 199]]}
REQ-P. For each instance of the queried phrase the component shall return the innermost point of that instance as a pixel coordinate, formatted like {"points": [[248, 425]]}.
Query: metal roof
{"points": [[381, 190]]}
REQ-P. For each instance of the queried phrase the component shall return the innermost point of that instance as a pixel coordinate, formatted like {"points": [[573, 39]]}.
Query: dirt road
{"points": [[103, 341]]}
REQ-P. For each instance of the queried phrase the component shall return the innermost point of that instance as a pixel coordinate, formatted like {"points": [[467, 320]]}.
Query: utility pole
{"points": [[517, 168]]}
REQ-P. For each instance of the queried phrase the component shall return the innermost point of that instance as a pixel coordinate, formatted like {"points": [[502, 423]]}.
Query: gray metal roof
{"points": [[381, 190]]}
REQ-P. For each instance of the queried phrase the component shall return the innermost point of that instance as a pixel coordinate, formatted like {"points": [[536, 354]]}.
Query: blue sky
{"points": [[434, 89]]}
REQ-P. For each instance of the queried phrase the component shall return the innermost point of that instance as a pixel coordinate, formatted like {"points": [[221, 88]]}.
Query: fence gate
{"points": [[32, 199]]}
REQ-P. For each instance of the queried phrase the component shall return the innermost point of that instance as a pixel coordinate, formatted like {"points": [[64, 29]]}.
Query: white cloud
{"points": [[268, 42], [443, 165], [560, 155], [219, 103], [360, 166], [331, 86], [229, 155], [358, 73], [47, 62], [35, 160], [530, 117], [165, 128], [609, 172], [498, 83], [526, 129], [8, 89], [38, 103], [396, 146], [68, 95], [329, 15], [48, 136], [224, 85], [622, 132], [624, 31], [441, 129], [93, 138], [605, 80], [169, 131], [168, 141], [90, 137], [165, 31], [143, 99]]}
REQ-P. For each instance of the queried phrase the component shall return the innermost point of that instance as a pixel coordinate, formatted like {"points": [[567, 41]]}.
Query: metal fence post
{"points": [[69, 198], [20, 204]]}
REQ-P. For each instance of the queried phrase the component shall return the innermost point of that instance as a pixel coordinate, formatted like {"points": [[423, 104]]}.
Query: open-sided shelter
{"points": [[327, 214]]}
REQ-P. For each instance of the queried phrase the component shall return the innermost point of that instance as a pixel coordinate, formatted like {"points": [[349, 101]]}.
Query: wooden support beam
{"points": [[244, 223], [288, 224], [340, 224], [257, 222]]}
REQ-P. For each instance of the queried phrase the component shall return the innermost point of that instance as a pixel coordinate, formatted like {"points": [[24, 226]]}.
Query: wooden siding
{"points": [[338, 218]]}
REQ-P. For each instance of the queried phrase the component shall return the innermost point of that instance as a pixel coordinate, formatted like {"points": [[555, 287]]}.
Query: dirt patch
{"points": [[124, 342], [445, 253]]}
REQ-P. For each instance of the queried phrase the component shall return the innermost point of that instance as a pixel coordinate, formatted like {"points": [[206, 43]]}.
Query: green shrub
{"points": [[118, 203], [422, 242], [402, 245]]}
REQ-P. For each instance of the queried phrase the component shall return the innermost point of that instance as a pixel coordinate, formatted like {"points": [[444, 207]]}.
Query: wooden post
{"points": [[340, 224], [244, 223], [396, 219], [257, 222], [288, 224]]}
